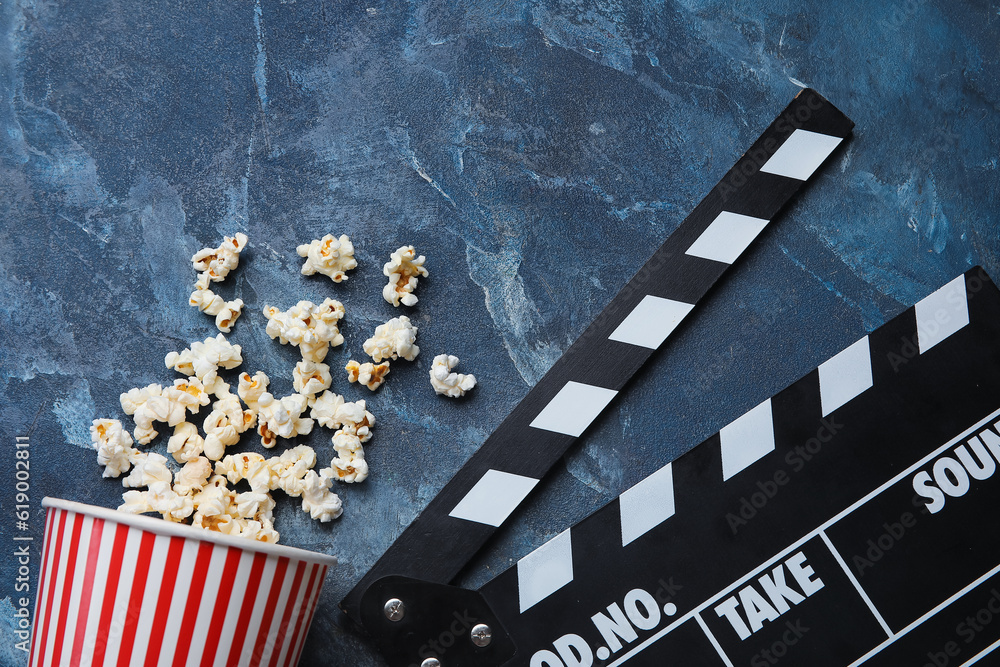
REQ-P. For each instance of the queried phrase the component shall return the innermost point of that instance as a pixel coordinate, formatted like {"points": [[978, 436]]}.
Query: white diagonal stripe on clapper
{"points": [[747, 439], [573, 408]]}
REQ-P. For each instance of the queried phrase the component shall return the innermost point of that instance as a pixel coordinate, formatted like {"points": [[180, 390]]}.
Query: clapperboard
{"points": [[846, 520]]}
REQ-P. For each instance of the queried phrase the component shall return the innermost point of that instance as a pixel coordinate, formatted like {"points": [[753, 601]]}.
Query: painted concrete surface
{"points": [[536, 151]]}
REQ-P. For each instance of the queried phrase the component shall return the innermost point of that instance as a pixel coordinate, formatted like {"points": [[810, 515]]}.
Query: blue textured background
{"points": [[535, 151]]}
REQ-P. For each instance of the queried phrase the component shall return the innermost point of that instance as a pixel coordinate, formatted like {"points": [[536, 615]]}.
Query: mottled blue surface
{"points": [[535, 151]]}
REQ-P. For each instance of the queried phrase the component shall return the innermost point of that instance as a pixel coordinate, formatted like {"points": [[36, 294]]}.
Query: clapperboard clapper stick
{"points": [[404, 600]]}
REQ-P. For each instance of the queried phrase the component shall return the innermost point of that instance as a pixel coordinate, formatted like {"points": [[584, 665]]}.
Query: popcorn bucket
{"points": [[125, 589]]}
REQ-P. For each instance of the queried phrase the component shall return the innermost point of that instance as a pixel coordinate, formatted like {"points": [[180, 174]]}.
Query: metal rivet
{"points": [[482, 635], [431, 662], [394, 609]]}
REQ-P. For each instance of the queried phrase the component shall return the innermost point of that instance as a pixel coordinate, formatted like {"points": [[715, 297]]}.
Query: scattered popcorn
{"points": [[368, 374], [134, 399], [172, 505], [311, 377], [153, 403], [350, 470], [190, 393], [251, 389], [136, 502], [312, 327], [350, 465], [246, 515], [354, 423], [210, 303], [251, 529], [329, 256], [317, 499], [402, 269], [114, 446], [289, 469], [193, 476], [347, 443], [186, 444], [331, 411], [446, 382], [204, 359], [282, 417], [254, 503], [396, 338], [199, 493], [212, 504], [224, 425], [158, 498], [148, 469], [214, 264], [248, 466]]}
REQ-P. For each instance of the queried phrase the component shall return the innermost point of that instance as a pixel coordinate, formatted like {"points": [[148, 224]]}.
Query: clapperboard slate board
{"points": [[847, 520], [850, 519]]}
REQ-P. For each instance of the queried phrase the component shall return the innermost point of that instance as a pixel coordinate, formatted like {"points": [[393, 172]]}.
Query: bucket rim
{"points": [[164, 527]]}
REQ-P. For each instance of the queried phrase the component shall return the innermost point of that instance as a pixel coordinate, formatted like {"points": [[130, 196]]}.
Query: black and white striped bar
{"points": [[847, 520], [581, 384]]}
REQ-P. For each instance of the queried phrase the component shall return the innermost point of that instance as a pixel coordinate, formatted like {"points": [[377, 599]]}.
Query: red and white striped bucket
{"points": [[129, 590]]}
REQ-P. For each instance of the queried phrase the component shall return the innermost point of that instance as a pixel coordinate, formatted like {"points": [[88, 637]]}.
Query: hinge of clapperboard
{"points": [[405, 603]]}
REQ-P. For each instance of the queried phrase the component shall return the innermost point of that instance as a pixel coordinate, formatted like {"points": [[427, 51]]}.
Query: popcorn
{"points": [[347, 444], [311, 377], [251, 529], [200, 492], [134, 399], [282, 417], [190, 393], [207, 499], [289, 469], [317, 499], [368, 374], [275, 417], [329, 256], [204, 359], [214, 264], [447, 383], [224, 425], [402, 270], [210, 303], [396, 338], [212, 504], [324, 409], [251, 389], [193, 476], [172, 505], [349, 469], [136, 502], [354, 423], [219, 436], [294, 475], [153, 403], [312, 327], [149, 469], [144, 407], [350, 465], [331, 411], [158, 498], [114, 446], [186, 444], [252, 503], [248, 466]]}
